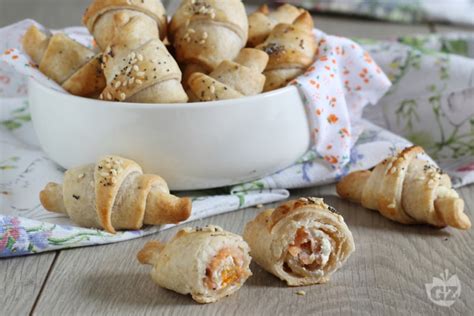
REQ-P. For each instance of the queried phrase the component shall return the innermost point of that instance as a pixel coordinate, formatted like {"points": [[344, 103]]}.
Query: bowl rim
{"points": [[190, 105]]}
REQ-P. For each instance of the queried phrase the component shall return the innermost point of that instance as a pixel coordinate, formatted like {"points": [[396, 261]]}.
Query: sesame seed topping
{"points": [[122, 96], [109, 168]]}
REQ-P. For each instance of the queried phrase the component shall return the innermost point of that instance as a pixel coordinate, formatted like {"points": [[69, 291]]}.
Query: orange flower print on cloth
{"points": [[342, 81], [332, 119]]}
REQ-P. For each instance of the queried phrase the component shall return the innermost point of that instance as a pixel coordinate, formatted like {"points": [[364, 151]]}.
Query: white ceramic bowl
{"points": [[192, 146]]}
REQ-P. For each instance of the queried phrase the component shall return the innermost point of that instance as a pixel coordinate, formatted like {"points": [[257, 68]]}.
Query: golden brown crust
{"points": [[131, 73], [231, 13], [152, 8], [390, 197], [63, 57], [453, 214], [109, 174], [351, 186], [65, 61], [207, 32], [231, 79], [206, 88], [264, 219], [262, 21], [292, 49], [34, 43], [164, 208], [149, 251], [114, 194], [51, 198], [407, 190], [284, 209], [88, 81]]}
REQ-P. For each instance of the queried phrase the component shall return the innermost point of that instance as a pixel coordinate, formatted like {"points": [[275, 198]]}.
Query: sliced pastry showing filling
{"points": [[408, 190], [208, 263], [301, 242]]}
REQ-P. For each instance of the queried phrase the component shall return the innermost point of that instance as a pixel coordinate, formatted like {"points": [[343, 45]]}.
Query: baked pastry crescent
{"points": [[301, 242], [231, 79], [73, 66], [262, 21], [146, 74], [407, 190], [292, 49], [126, 23], [114, 194], [208, 263], [207, 32]]}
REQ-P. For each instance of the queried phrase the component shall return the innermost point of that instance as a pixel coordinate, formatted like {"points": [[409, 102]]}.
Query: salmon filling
{"points": [[225, 269], [309, 252]]}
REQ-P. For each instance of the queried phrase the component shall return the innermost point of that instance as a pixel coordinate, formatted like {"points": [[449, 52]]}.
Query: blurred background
{"points": [[377, 19]]}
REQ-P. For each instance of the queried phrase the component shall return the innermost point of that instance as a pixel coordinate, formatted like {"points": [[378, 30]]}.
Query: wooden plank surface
{"points": [[21, 280], [386, 275]]}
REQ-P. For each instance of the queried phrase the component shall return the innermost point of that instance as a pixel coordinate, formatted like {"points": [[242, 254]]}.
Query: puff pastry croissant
{"points": [[206, 32], [125, 23], [301, 242], [231, 79], [292, 49], [114, 194], [262, 21], [208, 263], [146, 74], [75, 67], [407, 190]]}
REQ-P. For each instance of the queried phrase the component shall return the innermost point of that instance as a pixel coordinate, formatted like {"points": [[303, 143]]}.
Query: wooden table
{"points": [[386, 275]]}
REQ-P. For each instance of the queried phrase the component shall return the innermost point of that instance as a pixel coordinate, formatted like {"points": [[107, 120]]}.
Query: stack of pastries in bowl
{"points": [[209, 50]]}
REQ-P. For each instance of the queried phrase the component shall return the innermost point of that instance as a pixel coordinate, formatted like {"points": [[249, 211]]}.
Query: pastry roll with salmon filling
{"points": [[208, 263], [301, 242]]}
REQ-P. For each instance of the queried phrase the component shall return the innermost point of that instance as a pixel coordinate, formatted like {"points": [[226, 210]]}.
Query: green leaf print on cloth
{"points": [[18, 116], [431, 100]]}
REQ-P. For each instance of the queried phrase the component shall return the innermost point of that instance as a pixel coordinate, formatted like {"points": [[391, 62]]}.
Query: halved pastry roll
{"points": [[208, 263], [301, 242]]}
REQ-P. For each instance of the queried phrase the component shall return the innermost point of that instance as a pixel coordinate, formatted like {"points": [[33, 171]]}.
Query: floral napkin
{"points": [[453, 11], [336, 90]]}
